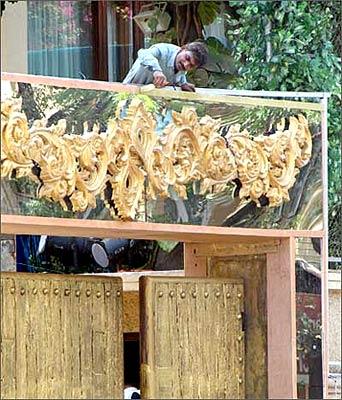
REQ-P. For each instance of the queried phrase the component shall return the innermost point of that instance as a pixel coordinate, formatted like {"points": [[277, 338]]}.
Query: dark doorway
{"points": [[131, 360]]}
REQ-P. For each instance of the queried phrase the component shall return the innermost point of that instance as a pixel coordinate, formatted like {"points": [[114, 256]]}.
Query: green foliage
{"points": [[301, 57], [78, 106], [167, 245], [334, 170], [207, 11], [308, 334], [168, 36], [220, 70], [25, 190]]}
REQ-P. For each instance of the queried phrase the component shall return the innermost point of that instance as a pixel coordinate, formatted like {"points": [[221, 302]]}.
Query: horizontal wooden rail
{"points": [[69, 82], [28, 225], [255, 99], [233, 100]]}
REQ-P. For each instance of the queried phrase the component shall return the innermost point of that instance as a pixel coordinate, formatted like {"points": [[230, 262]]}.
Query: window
{"points": [[82, 39]]}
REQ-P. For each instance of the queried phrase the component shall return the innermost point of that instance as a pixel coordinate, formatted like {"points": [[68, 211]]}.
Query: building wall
{"points": [[335, 316], [14, 38]]}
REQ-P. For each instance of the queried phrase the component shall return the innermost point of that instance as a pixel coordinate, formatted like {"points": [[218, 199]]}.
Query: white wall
{"points": [[335, 296], [14, 37]]}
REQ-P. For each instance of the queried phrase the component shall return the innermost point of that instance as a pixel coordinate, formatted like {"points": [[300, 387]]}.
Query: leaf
{"points": [[167, 245], [208, 11]]}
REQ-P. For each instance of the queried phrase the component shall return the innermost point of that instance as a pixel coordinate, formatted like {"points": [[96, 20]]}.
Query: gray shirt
{"points": [[159, 57]]}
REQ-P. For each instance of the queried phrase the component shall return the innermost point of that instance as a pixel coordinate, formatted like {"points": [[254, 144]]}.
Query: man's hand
{"points": [[188, 87], [159, 79]]}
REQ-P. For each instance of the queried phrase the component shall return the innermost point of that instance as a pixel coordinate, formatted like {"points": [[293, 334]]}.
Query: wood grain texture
{"points": [[212, 97], [222, 250], [27, 225], [192, 340], [150, 90], [51, 80], [252, 270], [194, 265], [69, 82], [281, 316], [131, 320], [61, 336]]}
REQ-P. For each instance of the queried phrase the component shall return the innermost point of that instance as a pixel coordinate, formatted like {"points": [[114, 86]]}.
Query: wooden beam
{"points": [[28, 225], [100, 40], [223, 250], [281, 322], [69, 82], [150, 90], [194, 265]]}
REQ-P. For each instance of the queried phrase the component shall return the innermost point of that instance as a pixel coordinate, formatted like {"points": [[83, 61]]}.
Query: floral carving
{"points": [[130, 161]]}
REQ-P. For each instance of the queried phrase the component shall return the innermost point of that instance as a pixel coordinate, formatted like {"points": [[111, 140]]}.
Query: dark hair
{"points": [[199, 51]]}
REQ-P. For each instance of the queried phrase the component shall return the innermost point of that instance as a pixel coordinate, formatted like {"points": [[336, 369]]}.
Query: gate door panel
{"points": [[192, 343], [61, 336]]}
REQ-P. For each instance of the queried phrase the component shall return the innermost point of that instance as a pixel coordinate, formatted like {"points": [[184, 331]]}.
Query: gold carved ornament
{"points": [[130, 160]]}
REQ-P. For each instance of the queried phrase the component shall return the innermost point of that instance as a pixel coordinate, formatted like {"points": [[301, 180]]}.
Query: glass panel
{"points": [[309, 318], [165, 160], [120, 39], [59, 38], [77, 255]]}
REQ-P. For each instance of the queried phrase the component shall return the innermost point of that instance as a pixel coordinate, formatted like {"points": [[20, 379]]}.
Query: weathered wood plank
{"points": [[131, 322], [65, 339], [185, 329], [114, 343], [21, 337], [86, 307], [8, 337], [223, 250], [31, 344], [252, 269]]}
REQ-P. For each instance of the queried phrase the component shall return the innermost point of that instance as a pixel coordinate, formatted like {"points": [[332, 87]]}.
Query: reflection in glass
{"points": [[309, 319], [59, 38], [192, 200]]}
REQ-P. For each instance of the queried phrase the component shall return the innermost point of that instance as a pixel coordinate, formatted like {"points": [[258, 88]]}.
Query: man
{"points": [[166, 64]]}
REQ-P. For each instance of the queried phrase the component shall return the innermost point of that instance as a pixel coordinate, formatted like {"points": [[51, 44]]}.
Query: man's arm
{"points": [[149, 58], [185, 86]]}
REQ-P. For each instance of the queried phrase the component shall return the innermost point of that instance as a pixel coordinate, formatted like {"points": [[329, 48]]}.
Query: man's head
{"points": [[192, 55]]}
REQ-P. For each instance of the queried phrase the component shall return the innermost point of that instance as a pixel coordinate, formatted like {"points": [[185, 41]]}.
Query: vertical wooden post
{"points": [[194, 266], [281, 322], [100, 40], [325, 250]]}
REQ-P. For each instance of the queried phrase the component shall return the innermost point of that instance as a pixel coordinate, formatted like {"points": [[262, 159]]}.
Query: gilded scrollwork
{"points": [[130, 161]]}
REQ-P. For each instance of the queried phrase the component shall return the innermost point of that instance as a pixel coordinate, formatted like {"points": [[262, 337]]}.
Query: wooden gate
{"points": [[192, 341], [61, 336]]}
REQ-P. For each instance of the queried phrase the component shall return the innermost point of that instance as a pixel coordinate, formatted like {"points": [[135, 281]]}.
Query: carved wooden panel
{"points": [[192, 338], [252, 269], [75, 169], [61, 336]]}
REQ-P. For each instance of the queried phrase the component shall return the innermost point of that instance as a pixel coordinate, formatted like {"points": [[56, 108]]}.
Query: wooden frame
{"points": [[100, 39], [199, 240]]}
